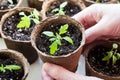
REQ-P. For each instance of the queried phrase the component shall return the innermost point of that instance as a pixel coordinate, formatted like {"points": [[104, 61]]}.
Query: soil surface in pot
{"points": [[101, 1], [10, 28], [4, 4], [10, 74], [95, 59], [70, 10], [43, 42]]}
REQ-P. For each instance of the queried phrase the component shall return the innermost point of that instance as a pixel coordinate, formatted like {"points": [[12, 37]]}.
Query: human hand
{"points": [[100, 21], [55, 72]]}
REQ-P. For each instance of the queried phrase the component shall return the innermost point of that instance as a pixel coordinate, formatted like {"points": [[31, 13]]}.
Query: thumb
{"points": [[59, 73], [96, 31]]}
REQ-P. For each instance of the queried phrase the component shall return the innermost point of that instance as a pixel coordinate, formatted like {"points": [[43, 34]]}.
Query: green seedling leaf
{"points": [[36, 21], [36, 14], [68, 39], [118, 55], [24, 23], [61, 12], [52, 39], [12, 67], [114, 59], [58, 36], [115, 46], [112, 54], [58, 42], [22, 13], [97, 1], [63, 5], [2, 68], [53, 48], [48, 33], [10, 1], [106, 58], [56, 39], [63, 29], [9, 67], [26, 20], [55, 10]]}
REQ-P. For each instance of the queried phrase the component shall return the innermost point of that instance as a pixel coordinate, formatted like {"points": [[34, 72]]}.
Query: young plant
{"points": [[112, 54], [97, 1], [60, 10], [10, 1], [56, 38], [9, 67], [26, 20]]}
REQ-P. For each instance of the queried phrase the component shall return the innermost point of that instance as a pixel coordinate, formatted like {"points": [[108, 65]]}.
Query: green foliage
{"points": [[26, 20], [9, 67], [60, 10], [97, 1], [112, 54], [10, 1], [56, 38]]}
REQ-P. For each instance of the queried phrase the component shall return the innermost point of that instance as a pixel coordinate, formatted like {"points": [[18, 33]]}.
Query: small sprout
{"points": [[9, 67], [60, 10], [115, 46], [56, 38], [112, 54], [2, 68], [26, 20], [97, 1], [10, 1]]}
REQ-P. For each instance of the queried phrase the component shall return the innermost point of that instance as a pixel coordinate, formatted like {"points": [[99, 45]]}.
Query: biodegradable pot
{"points": [[89, 69], [7, 10], [35, 4], [18, 57], [24, 47], [47, 4], [90, 2], [2, 12], [69, 61]]}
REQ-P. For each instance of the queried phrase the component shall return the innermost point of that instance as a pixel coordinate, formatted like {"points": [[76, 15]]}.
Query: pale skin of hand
{"points": [[99, 20]]}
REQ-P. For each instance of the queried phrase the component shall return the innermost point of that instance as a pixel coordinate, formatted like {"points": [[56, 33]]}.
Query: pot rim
{"points": [[86, 52], [57, 17], [47, 3], [20, 58], [18, 4], [8, 14]]}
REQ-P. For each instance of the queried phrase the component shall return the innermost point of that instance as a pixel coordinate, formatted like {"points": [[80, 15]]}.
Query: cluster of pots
{"points": [[27, 51]]}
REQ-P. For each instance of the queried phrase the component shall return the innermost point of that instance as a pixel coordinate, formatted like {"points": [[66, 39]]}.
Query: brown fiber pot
{"points": [[19, 57], [47, 4], [69, 61], [2, 12], [35, 4], [7, 10], [24, 47], [92, 72], [90, 2]]}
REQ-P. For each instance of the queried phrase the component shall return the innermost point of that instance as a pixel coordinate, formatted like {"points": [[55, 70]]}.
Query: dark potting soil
{"points": [[102, 1], [95, 60], [70, 10], [4, 4], [10, 74], [10, 28], [43, 42]]}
